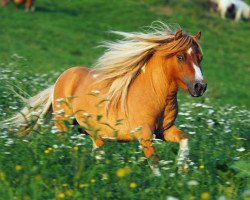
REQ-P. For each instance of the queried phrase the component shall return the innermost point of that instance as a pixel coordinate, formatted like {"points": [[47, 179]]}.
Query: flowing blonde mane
{"points": [[123, 59]]}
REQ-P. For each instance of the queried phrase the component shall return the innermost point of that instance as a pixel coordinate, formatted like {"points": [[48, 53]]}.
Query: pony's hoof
{"points": [[99, 155], [156, 171], [185, 165]]}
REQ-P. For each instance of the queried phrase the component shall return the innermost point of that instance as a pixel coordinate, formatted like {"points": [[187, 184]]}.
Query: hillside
{"points": [[64, 34]]}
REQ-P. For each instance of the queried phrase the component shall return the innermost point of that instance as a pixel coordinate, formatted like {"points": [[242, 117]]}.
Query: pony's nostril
{"points": [[200, 88], [197, 87]]}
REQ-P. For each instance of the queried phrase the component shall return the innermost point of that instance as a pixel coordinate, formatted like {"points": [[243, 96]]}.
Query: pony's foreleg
{"points": [[173, 134], [145, 138]]}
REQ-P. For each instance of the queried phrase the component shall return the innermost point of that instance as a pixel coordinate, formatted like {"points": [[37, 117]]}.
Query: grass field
{"points": [[36, 47]]}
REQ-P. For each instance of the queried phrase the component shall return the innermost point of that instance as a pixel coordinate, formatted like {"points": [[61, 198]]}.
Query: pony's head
{"points": [[183, 58], [180, 54]]}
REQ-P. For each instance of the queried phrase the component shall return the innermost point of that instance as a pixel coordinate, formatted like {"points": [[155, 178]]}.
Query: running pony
{"points": [[131, 93]]}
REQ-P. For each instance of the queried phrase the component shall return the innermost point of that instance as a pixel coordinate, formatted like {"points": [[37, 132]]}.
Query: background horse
{"points": [[29, 4], [237, 8], [131, 93]]}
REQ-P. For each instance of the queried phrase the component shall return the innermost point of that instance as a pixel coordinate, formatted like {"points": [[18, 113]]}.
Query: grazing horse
{"points": [[29, 4], [236, 8], [131, 93]]}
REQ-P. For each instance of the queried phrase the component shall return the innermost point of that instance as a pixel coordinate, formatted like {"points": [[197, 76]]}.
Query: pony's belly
{"points": [[106, 128], [110, 135], [119, 138]]}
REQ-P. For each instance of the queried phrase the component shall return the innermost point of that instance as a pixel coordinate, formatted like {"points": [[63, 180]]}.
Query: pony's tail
{"points": [[32, 114]]}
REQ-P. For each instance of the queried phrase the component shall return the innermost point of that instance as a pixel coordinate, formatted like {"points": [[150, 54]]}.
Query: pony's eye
{"points": [[180, 57]]}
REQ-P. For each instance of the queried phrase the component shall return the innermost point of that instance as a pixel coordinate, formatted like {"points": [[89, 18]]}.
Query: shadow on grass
{"points": [[70, 12]]}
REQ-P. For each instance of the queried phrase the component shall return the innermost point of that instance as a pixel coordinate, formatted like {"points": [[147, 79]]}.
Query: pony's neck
{"points": [[160, 81]]}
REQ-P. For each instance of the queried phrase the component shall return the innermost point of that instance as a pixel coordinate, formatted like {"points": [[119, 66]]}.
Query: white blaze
{"points": [[198, 74]]}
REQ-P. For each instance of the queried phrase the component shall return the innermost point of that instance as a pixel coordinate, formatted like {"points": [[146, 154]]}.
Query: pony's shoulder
{"points": [[77, 69]]}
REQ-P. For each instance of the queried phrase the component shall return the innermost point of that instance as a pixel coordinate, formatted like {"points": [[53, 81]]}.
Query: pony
{"points": [[29, 4], [239, 8], [130, 93]]}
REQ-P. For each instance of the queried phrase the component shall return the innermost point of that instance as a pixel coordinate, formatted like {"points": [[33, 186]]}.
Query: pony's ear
{"points": [[198, 35], [178, 34]]}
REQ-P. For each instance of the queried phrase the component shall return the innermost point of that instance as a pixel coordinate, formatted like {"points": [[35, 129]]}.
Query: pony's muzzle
{"points": [[199, 88]]}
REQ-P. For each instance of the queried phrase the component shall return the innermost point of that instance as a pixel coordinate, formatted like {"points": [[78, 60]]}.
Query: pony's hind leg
{"points": [[173, 134], [61, 123], [63, 115], [96, 151]]}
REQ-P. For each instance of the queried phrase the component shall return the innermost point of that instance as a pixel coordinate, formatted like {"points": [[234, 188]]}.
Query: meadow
{"points": [[36, 47]]}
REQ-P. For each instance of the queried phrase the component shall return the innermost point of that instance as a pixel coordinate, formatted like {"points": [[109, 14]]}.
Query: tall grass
{"points": [[49, 165]]}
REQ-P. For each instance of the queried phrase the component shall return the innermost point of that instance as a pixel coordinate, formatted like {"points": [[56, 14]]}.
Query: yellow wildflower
{"points": [[26, 197], [83, 185], [92, 180], [46, 151], [2, 176], [107, 162], [104, 176], [18, 167], [50, 149], [70, 192], [61, 195], [38, 178], [76, 148], [122, 172], [205, 196], [133, 185], [202, 166], [65, 185]]}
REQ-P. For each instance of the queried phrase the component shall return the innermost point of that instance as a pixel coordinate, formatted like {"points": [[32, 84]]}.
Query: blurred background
{"points": [[61, 34]]}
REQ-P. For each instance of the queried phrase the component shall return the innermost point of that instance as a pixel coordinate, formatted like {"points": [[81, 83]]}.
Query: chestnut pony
{"points": [[29, 4], [131, 93]]}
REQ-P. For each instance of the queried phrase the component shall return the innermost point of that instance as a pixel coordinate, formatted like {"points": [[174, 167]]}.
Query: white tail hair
{"points": [[29, 117]]}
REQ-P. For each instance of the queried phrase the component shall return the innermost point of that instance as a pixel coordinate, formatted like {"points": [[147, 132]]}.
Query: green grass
{"points": [[65, 33]]}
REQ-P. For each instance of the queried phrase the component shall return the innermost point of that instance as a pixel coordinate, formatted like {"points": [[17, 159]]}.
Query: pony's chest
{"points": [[165, 120]]}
